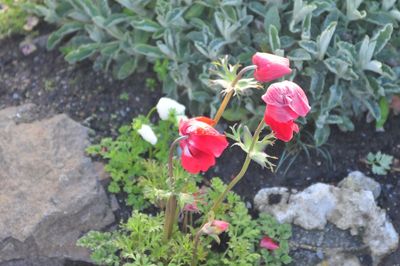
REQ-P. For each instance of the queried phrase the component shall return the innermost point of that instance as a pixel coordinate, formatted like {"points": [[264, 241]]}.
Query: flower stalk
{"points": [[172, 203], [234, 181], [229, 95]]}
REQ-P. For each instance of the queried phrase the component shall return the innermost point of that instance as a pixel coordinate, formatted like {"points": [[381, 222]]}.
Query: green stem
{"points": [[234, 181], [172, 203], [228, 96], [150, 113]]}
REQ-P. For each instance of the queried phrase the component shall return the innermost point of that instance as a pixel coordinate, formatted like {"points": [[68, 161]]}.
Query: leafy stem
{"points": [[171, 206], [228, 96], [234, 181]]}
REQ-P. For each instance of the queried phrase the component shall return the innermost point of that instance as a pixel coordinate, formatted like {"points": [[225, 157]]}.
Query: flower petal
{"points": [[282, 131], [287, 94], [268, 243], [194, 160]]}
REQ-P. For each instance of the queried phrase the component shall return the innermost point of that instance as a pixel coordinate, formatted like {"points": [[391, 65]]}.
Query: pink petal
{"points": [[287, 94], [270, 67], [268, 243]]}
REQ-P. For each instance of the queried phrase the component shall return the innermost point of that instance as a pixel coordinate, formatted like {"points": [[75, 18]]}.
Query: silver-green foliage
{"points": [[341, 50], [380, 162]]}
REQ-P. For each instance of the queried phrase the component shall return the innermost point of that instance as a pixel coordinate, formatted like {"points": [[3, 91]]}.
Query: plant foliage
{"points": [[343, 51]]}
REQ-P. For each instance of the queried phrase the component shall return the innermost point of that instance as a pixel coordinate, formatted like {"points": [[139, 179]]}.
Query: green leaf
{"points": [[113, 187], [306, 28], [194, 11], [373, 108], [274, 38], [146, 25], [346, 125], [335, 96], [58, 35], [321, 135], [382, 37], [309, 46], [317, 84], [325, 38], [334, 119], [272, 18], [82, 52], [148, 50], [127, 69], [299, 55], [384, 109]]}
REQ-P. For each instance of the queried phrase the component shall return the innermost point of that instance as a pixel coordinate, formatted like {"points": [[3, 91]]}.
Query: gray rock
{"points": [[344, 259], [357, 181], [49, 192], [347, 208]]}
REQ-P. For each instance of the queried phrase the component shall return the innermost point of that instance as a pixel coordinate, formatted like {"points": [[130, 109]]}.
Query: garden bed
{"points": [[104, 104]]}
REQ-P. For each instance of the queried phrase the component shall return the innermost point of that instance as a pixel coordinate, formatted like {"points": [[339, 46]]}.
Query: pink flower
{"points": [[191, 207], [270, 67], [286, 101], [215, 227], [268, 243], [197, 198], [202, 145]]}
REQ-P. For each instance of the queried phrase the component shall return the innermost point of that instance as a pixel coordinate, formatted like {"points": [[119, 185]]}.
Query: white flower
{"points": [[148, 134], [166, 105]]}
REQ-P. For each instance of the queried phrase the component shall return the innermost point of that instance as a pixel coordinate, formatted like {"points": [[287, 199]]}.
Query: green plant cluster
{"points": [[126, 155], [12, 17], [139, 241], [342, 50], [380, 162], [140, 170]]}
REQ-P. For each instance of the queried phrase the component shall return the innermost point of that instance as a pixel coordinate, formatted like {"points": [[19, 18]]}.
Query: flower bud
{"points": [[270, 67]]}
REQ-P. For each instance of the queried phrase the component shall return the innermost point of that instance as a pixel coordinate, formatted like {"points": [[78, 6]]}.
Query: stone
{"points": [[49, 190], [340, 259], [357, 181], [350, 207]]}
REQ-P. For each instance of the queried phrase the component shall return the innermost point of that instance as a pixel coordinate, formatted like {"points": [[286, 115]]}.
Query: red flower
{"points": [[286, 101], [270, 67], [202, 145], [268, 243]]}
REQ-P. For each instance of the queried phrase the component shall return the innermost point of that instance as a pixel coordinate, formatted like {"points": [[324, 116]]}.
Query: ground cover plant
{"points": [[187, 212], [336, 48], [14, 19]]}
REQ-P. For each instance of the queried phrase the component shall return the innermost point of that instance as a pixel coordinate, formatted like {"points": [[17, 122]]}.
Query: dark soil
{"points": [[104, 104]]}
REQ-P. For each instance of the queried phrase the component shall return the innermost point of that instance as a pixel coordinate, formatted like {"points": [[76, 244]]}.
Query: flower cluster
{"points": [[285, 102]]}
